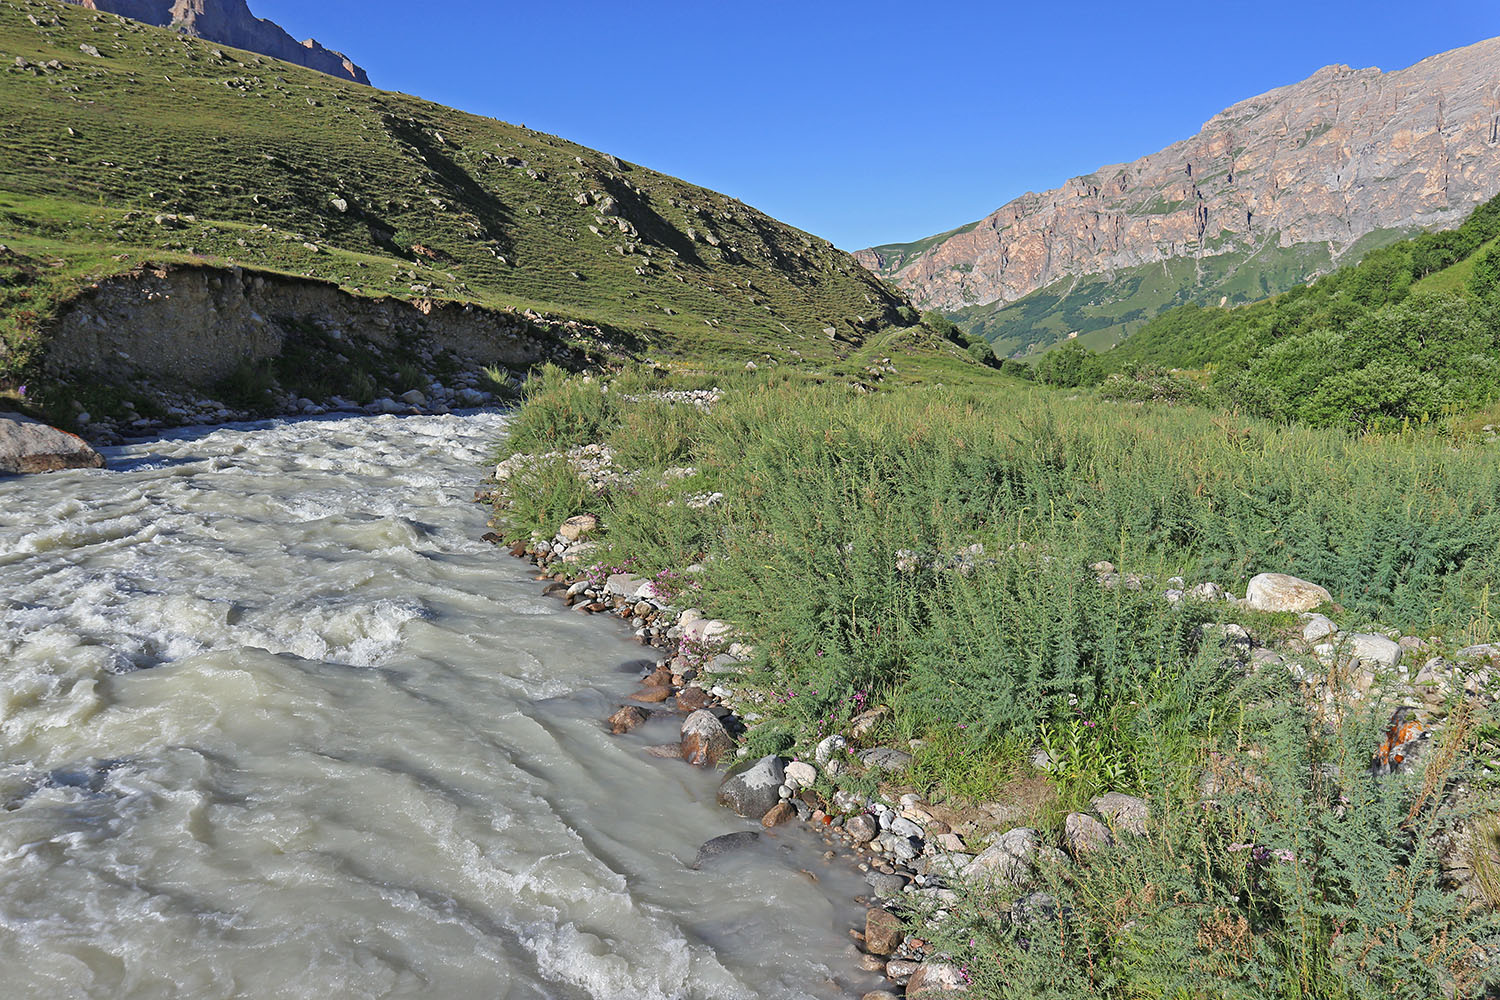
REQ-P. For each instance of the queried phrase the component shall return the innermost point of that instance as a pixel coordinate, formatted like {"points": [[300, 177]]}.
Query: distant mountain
{"points": [[1268, 193], [229, 22]]}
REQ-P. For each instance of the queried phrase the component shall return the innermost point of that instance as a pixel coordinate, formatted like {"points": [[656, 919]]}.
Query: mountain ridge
{"points": [[230, 22], [1331, 159]]}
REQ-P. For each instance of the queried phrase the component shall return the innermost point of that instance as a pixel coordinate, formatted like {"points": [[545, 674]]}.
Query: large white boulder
{"points": [[1279, 592]]}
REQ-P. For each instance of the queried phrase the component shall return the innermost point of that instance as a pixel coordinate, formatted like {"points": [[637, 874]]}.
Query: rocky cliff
{"points": [[229, 22], [1343, 154]]}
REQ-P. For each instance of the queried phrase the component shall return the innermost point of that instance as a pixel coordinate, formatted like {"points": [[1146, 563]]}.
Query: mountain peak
{"points": [[230, 22], [1326, 162]]}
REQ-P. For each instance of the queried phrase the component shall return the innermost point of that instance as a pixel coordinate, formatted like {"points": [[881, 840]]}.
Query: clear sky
{"points": [[870, 122]]}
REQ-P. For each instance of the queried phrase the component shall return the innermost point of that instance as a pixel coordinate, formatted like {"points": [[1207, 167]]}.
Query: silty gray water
{"points": [[275, 723]]}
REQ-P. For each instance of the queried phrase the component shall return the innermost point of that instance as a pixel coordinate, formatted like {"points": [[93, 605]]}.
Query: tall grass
{"points": [[933, 551]]}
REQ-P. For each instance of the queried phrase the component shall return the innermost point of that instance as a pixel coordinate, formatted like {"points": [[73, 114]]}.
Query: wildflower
{"points": [[22, 391]]}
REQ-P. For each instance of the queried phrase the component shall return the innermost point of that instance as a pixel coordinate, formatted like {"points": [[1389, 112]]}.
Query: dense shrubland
{"points": [[1410, 333], [931, 550]]}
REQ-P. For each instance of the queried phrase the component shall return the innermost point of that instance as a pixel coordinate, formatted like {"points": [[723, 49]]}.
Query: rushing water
{"points": [[274, 723]]}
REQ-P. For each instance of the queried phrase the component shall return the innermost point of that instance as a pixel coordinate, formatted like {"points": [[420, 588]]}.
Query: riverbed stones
{"points": [[626, 719], [30, 446], [753, 791], [781, 812], [720, 846], [883, 931], [705, 741], [1280, 592], [652, 695], [1123, 812]]}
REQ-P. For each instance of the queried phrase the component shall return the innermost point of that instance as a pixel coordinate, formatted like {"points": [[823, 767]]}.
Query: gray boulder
{"points": [[723, 845], [1123, 812], [753, 791], [885, 759], [28, 446]]}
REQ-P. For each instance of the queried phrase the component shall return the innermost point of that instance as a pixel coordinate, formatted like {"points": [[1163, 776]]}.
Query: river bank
{"points": [[1059, 726]]}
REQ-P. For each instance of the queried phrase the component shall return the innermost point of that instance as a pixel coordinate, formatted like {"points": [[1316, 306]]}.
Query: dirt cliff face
{"points": [[229, 22], [1343, 154]]}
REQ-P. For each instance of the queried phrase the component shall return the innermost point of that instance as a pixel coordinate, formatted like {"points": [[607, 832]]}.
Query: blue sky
{"points": [[870, 122]]}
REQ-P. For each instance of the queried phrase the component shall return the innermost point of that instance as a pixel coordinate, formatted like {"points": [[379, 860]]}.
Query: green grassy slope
{"points": [[167, 148], [1105, 309]]}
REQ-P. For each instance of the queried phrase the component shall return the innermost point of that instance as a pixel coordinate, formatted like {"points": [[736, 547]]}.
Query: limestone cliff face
{"points": [[1329, 160], [229, 22]]}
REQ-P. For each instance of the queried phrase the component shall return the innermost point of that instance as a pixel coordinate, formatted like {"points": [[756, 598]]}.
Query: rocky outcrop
{"points": [[1327, 161], [229, 22], [195, 325], [28, 445]]}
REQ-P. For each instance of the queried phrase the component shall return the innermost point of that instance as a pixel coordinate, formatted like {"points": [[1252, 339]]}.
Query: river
{"points": [[275, 723]]}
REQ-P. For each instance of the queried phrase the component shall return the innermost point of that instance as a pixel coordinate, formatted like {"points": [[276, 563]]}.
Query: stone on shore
{"points": [[883, 931], [1279, 592], [705, 741], [934, 979], [781, 812], [753, 791], [28, 446]]}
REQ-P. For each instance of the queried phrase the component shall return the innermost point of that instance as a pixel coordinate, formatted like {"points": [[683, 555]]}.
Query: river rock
{"points": [[800, 775], [883, 931], [577, 526], [753, 791], [830, 748], [720, 846], [1085, 833], [781, 812], [626, 719], [652, 695], [1279, 592], [705, 741], [28, 446], [666, 751], [414, 397], [1123, 812], [885, 884], [935, 979], [861, 828], [879, 995]]}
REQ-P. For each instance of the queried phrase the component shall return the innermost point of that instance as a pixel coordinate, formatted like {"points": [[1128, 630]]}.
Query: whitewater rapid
{"points": [[275, 723]]}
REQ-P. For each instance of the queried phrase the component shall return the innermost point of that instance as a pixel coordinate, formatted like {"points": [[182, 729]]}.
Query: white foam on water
{"points": [[274, 722]]}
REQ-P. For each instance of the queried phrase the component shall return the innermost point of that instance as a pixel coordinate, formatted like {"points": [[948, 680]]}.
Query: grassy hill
{"points": [[1105, 309], [122, 144], [1410, 333]]}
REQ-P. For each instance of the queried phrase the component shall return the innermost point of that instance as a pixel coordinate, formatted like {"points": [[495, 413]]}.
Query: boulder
{"points": [[720, 846], [414, 397], [753, 791], [861, 828], [28, 446], [1316, 628], [1373, 650], [705, 741], [1487, 651], [1279, 592], [577, 526], [1008, 858], [883, 931], [781, 812], [1123, 812], [626, 719], [1085, 833], [885, 759], [800, 774], [935, 979]]}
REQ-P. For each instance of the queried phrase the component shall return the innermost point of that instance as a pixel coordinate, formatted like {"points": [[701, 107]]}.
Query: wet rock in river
{"points": [[626, 719], [28, 446], [720, 846], [705, 741]]}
